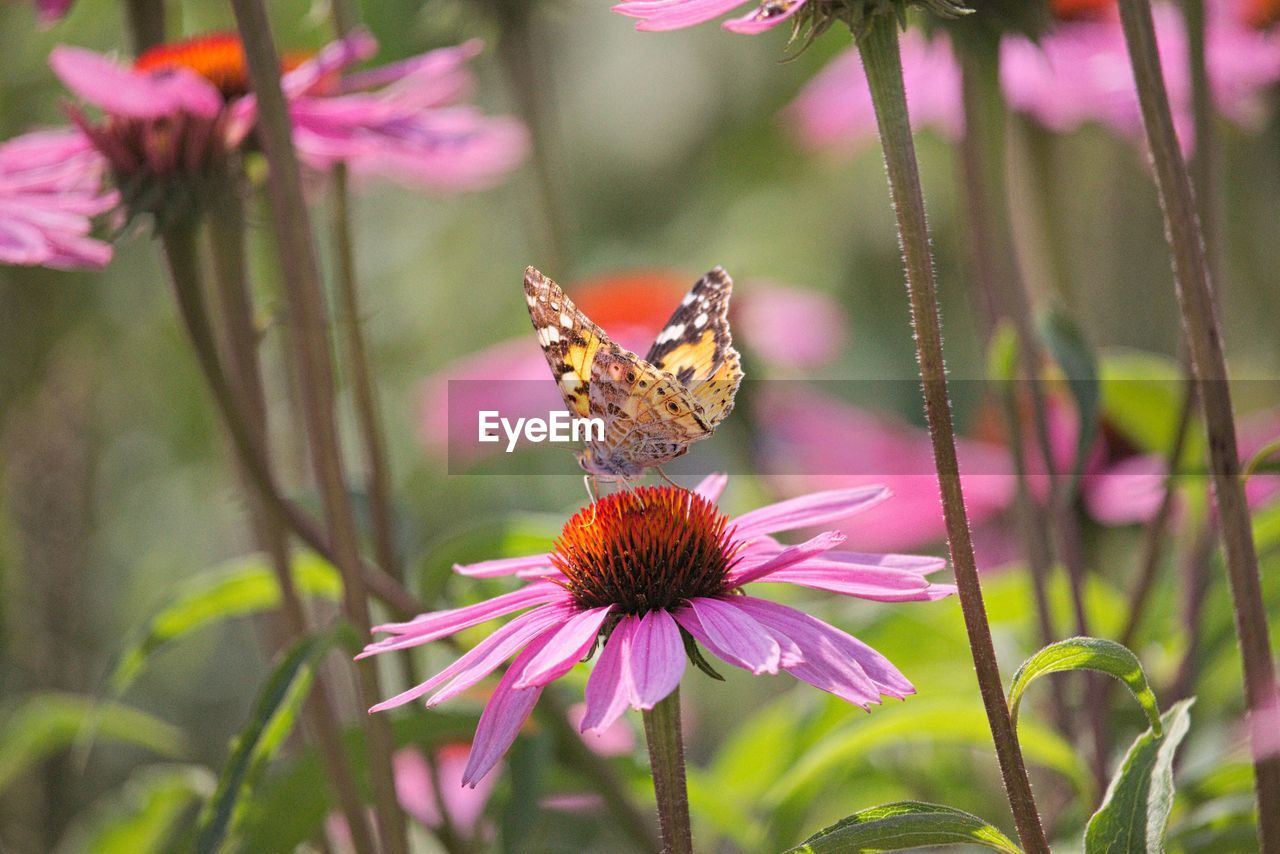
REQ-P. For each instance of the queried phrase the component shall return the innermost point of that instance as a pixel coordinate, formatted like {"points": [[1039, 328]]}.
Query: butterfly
{"points": [[653, 408]]}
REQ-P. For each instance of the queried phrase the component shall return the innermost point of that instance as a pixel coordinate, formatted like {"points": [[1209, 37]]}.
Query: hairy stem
{"points": [[883, 65], [1194, 288], [226, 226], [310, 339], [666, 762]]}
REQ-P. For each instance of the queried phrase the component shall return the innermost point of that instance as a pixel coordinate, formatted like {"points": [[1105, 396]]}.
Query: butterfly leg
{"points": [[664, 476], [593, 493]]}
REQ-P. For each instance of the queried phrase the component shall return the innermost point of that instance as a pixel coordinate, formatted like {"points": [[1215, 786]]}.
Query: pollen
{"points": [[217, 57], [644, 550]]}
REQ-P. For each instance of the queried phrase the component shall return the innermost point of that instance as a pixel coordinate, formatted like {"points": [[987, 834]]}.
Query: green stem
{"points": [[666, 762], [146, 23], [883, 65], [986, 120], [1194, 287], [226, 226], [309, 327], [364, 392]]}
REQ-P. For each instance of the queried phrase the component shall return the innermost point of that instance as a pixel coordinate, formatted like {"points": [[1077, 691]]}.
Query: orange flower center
{"points": [[1262, 14], [1081, 10], [217, 57], [641, 298], [644, 550]]}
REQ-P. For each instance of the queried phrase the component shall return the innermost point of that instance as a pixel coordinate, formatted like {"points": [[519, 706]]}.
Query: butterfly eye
{"points": [[631, 376], [672, 406]]}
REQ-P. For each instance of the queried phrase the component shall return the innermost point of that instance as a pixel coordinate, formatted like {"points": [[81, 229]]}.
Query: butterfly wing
{"points": [[696, 347], [568, 338]]}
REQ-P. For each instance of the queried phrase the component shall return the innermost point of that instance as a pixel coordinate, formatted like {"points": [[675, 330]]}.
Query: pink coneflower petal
{"points": [[661, 15], [828, 654], [484, 657], [502, 566], [712, 486], [487, 655], [765, 17], [754, 569], [608, 689], [884, 587], [124, 92], [356, 46], [434, 79], [565, 648], [503, 715], [655, 658], [731, 634], [437, 624], [808, 510]]}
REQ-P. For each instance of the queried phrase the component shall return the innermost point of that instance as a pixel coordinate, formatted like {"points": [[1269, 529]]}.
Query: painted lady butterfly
{"points": [[652, 408]]}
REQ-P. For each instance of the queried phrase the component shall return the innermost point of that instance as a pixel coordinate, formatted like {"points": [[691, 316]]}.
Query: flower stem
{"points": [[986, 118], [883, 64], [226, 226], [1194, 288], [364, 393], [309, 327], [666, 762]]}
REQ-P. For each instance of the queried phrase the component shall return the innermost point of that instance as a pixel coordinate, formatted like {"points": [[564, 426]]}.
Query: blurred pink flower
{"points": [[798, 426], [420, 794], [51, 186], [50, 12], [656, 568], [617, 739], [834, 109], [658, 15], [1077, 73], [182, 107], [791, 329]]}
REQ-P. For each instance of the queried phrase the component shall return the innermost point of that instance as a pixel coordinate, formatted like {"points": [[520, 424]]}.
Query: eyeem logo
{"points": [[556, 427]]}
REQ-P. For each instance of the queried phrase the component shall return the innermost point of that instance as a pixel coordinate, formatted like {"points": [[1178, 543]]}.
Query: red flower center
{"points": [[1082, 10], [217, 57], [1262, 14], [644, 550]]}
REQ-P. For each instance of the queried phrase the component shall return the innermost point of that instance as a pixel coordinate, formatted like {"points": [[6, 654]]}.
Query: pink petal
{"points": [[765, 17], [712, 487], [501, 566], [437, 624], [887, 587], [482, 659], [487, 655], [655, 658], [565, 648], [608, 687], [503, 715], [617, 739], [833, 660], [419, 792], [799, 329], [731, 634], [752, 568], [355, 46], [660, 15], [808, 510], [125, 92]]}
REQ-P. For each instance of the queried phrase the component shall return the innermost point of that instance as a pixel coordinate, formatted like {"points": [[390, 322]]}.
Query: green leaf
{"points": [[1136, 808], [1076, 359], [902, 825], [1097, 654], [242, 587], [42, 724], [274, 714], [915, 724], [142, 816], [1002, 354]]}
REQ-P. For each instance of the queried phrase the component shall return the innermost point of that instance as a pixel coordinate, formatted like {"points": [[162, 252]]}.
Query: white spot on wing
{"points": [[689, 298], [566, 321], [700, 321], [671, 333]]}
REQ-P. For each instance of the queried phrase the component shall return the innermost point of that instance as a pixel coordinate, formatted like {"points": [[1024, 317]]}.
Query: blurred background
{"points": [[665, 153]]}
